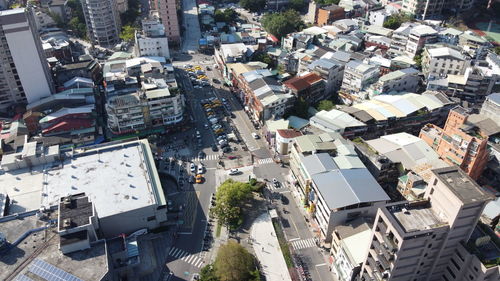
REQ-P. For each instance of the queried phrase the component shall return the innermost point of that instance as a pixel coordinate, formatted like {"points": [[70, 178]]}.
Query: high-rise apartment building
{"points": [[167, 10], [459, 143], [103, 21], [420, 240], [24, 71]]}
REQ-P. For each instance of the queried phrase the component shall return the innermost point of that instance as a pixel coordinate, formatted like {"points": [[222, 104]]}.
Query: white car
{"points": [[198, 135], [255, 136], [193, 167], [233, 172], [200, 169]]}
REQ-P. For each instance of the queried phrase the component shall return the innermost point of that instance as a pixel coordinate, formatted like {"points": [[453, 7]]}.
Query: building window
{"points": [[451, 272], [432, 191]]}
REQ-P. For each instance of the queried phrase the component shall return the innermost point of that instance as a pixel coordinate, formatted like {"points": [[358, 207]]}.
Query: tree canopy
{"points": [[227, 16], [130, 16], [229, 198], [234, 263], [396, 20], [128, 33], [263, 57], [253, 5], [297, 5], [325, 105], [300, 109], [280, 24], [77, 22]]}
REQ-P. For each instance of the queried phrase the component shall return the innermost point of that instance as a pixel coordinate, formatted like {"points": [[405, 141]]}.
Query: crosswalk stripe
{"points": [[304, 243], [265, 161], [186, 257]]}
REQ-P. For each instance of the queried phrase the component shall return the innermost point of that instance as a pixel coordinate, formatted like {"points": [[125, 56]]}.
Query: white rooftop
{"points": [[445, 52], [118, 177]]}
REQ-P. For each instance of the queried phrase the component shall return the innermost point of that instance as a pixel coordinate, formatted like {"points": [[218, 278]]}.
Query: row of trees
{"points": [[280, 24], [233, 263], [228, 16]]}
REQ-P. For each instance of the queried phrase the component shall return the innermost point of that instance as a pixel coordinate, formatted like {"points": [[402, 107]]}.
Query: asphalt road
{"points": [[192, 33]]}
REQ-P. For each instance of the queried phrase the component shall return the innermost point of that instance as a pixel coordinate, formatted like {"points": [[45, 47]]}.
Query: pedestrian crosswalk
{"points": [[186, 257], [265, 161], [303, 243], [206, 158], [271, 186]]}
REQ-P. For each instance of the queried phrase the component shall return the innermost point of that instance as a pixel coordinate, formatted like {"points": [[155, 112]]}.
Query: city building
{"points": [[475, 46], [378, 17], [349, 245], [26, 77], [404, 80], [103, 21], [285, 139], [400, 38], [357, 76], [328, 14], [441, 61], [419, 36], [142, 94], [339, 122], [309, 87], [424, 9], [331, 71], [133, 198], [459, 142], [152, 40], [424, 240], [491, 107], [167, 10]]}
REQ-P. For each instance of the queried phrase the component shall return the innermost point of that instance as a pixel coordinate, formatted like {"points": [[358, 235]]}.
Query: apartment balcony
{"points": [[389, 243]]}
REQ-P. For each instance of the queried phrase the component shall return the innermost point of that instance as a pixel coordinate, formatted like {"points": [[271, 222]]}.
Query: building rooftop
{"points": [[335, 120], [90, 264], [312, 143], [300, 83], [465, 188], [356, 238], [416, 218], [126, 169], [345, 187], [445, 52], [398, 74], [77, 210]]}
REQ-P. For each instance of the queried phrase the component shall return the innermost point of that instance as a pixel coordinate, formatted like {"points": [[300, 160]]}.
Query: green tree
{"points": [[77, 21], [325, 105], [128, 33], [207, 273], [297, 5], [130, 16], [395, 21], [228, 16], [280, 24], [497, 50], [253, 5], [230, 197], [300, 108], [234, 263], [263, 57]]}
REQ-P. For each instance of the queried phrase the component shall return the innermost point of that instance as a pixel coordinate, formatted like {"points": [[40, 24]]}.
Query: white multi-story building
{"points": [[442, 61], [24, 73], [151, 41], [424, 9], [404, 80], [418, 37], [425, 240], [103, 21], [331, 71], [357, 76]]}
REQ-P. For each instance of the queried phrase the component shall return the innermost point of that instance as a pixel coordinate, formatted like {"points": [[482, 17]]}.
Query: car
{"points": [[224, 145], [215, 80], [233, 172], [201, 154], [206, 126], [216, 127], [198, 135], [208, 68], [226, 150], [199, 178], [276, 183], [231, 157], [219, 131], [193, 167], [200, 169], [233, 115], [215, 148], [255, 136], [191, 179], [223, 137]]}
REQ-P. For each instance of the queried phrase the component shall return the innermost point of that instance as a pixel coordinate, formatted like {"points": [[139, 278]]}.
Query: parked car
{"points": [[255, 136], [198, 135], [226, 150], [233, 172], [215, 148], [200, 169], [193, 167], [276, 183], [199, 178], [201, 154]]}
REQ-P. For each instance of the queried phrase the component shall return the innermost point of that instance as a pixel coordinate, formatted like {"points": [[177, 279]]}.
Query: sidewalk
{"points": [[267, 249]]}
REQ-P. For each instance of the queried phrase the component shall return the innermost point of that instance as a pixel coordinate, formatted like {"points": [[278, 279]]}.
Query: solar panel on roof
{"points": [[23, 278], [50, 272]]}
